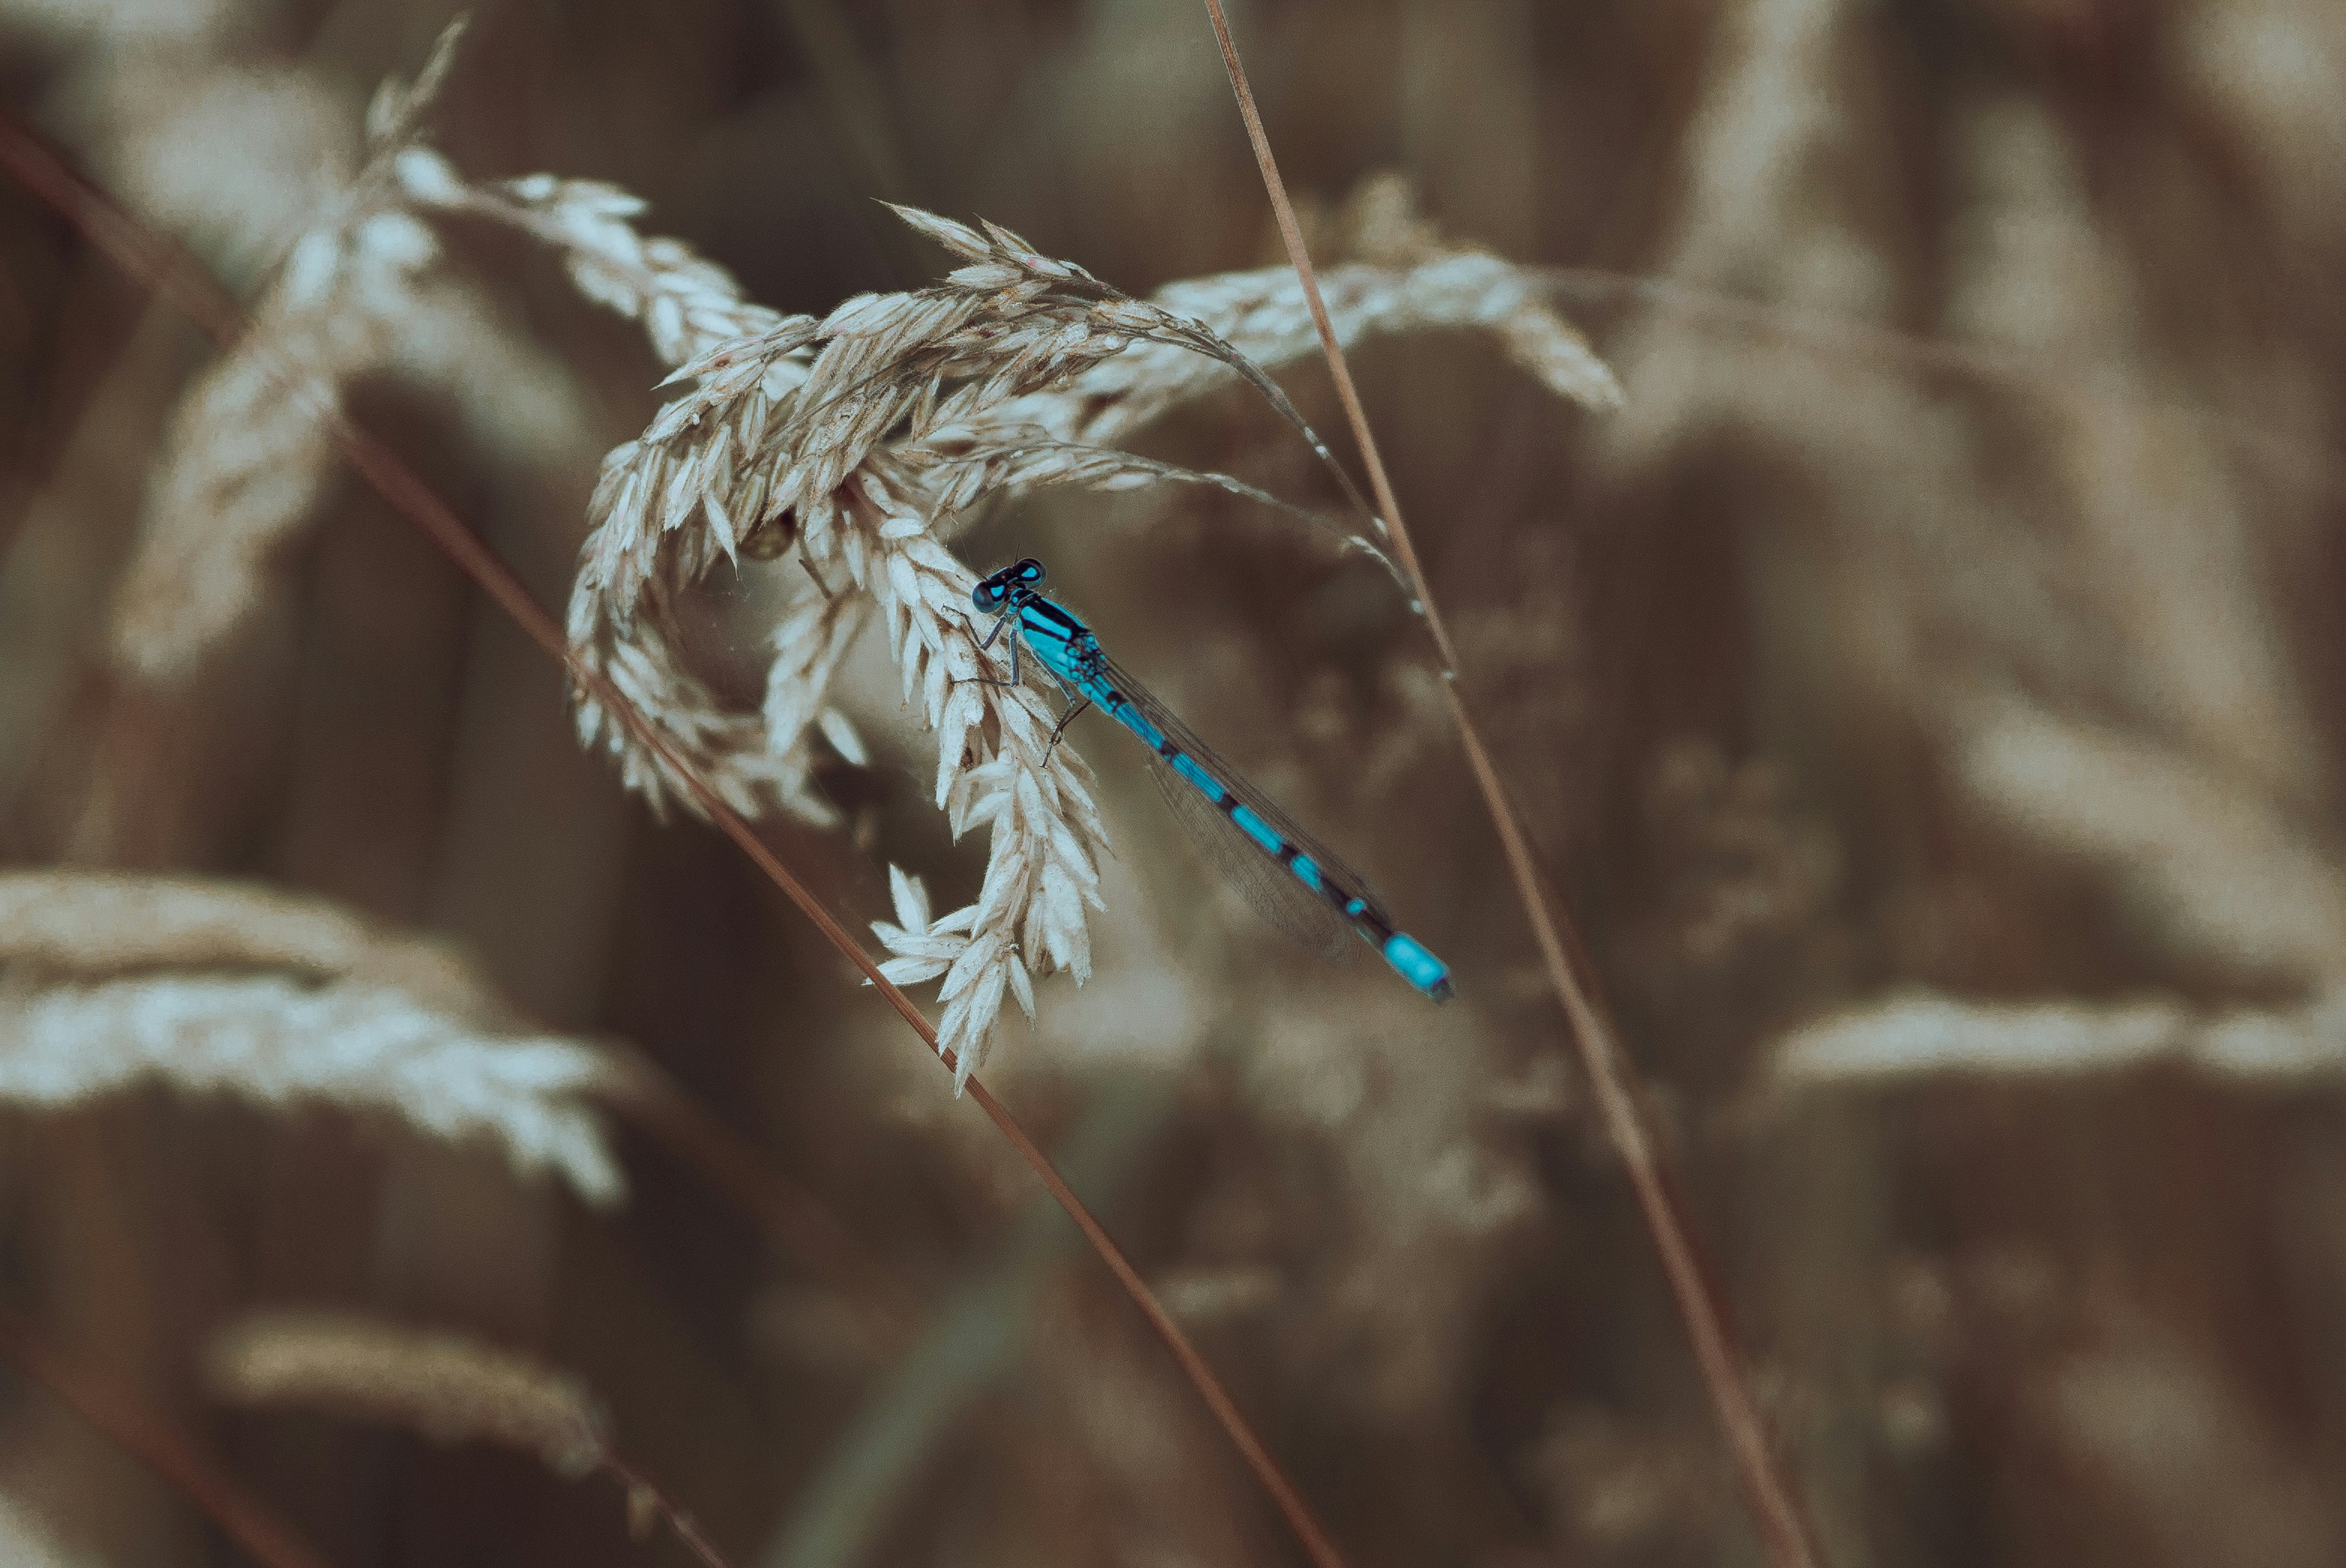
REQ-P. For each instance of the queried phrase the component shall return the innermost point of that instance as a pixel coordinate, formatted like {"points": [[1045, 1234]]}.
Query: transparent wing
{"points": [[1269, 889]]}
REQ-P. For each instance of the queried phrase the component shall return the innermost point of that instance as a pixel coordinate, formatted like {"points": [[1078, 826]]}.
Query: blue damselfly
{"points": [[1289, 879]]}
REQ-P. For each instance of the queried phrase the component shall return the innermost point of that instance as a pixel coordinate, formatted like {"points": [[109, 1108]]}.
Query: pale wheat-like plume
{"points": [[1781, 158], [875, 431], [688, 307], [1262, 316], [2139, 721], [687, 303], [102, 925], [146, 23], [263, 170], [281, 1001], [2161, 528], [2204, 863], [448, 1387], [282, 1043], [248, 453], [864, 436], [361, 291], [2266, 71], [1922, 1037], [793, 424], [238, 157]]}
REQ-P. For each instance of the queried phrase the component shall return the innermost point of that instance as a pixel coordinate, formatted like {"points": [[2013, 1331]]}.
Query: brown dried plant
{"points": [[142, 254], [1777, 1508], [869, 436], [1922, 690], [247, 461], [447, 1387]]}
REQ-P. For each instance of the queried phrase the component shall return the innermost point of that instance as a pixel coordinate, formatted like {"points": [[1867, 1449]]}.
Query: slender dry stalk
{"points": [[153, 261], [244, 1518], [1773, 1496], [885, 1307]]}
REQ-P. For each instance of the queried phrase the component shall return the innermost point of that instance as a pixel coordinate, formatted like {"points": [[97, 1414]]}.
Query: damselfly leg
{"points": [[986, 642], [1076, 701]]}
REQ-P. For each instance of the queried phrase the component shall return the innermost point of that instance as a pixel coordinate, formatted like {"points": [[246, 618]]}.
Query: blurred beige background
{"points": [[1926, 689]]}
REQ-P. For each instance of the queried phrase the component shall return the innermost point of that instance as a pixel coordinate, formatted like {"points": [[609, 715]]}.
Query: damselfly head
{"points": [[991, 591]]}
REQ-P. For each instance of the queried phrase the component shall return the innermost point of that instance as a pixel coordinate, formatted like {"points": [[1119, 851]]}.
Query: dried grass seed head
{"points": [[99, 925], [874, 430], [249, 456], [279, 1044], [448, 1387]]}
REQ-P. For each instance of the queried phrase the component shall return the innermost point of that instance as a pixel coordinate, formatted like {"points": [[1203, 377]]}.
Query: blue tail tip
{"points": [[1420, 968]]}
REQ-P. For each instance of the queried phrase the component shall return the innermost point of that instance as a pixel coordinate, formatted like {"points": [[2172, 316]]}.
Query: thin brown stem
{"points": [[1775, 1503], [245, 1519], [1283, 1492], [886, 1311], [645, 1492], [152, 260]]}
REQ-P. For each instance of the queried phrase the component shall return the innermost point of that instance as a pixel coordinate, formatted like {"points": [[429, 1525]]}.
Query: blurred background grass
{"points": [[1838, 670]]}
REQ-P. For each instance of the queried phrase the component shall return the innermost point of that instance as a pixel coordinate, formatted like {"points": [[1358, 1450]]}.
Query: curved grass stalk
{"points": [[1774, 1500]]}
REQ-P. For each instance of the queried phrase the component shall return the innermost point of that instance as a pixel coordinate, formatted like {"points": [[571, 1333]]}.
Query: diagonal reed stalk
{"points": [[643, 1493], [888, 1312], [155, 261], [1775, 1503], [267, 1538]]}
